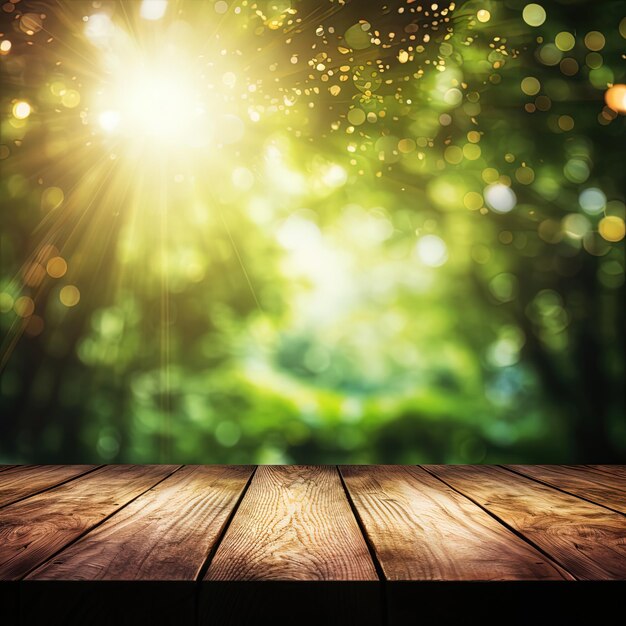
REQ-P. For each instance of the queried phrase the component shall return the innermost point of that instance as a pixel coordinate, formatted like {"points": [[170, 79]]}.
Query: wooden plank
{"points": [[601, 488], [589, 541], [33, 530], [422, 530], [613, 470], [25, 480], [165, 534], [294, 523], [293, 536]]}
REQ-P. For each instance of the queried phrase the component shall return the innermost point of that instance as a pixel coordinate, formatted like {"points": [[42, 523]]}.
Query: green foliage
{"points": [[426, 265]]}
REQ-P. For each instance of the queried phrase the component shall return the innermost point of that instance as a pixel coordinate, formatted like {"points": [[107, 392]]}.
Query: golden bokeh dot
{"points": [[471, 151], [594, 40], [356, 116], [473, 200], [566, 122], [565, 41], [524, 175], [69, 295], [453, 155], [56, 267], [5, 46], [615, 98], [530, 86], [406, 145], [57, 87], [483, 15], [490, 175], [473, 136], [30, 23], [24, 306], [534, 14], [612, 228], [70, 99], [21, 110]]}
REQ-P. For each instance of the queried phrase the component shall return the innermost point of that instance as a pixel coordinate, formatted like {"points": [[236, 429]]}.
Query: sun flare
{"points": [[160, 92], [154, 103]]}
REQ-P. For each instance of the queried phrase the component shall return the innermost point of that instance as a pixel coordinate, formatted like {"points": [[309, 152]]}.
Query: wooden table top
{"points": [[210, 525]]}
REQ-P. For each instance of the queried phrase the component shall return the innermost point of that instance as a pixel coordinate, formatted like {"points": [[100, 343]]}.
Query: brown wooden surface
{"points": [[588, 540], [22, 481], [388, 546], [580, 481], [613, 470], [423, 530], [165, 534], [294, 523], [33, 530]]}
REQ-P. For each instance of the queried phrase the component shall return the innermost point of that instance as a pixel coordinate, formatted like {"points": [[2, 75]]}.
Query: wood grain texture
{"points": [[33, 530], [589, 541], [22, 481], [165, 534], [422, 530], [294, 523], [609, 491], [6, 467], [613, 470]]}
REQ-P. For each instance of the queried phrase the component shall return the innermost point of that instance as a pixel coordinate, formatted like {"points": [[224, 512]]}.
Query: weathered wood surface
{"points": [[165, 534], [363, 545], [580, 481], [587, 540], [33, 530], [294, 523], [423, 530], [612, 470], [19, 482]]}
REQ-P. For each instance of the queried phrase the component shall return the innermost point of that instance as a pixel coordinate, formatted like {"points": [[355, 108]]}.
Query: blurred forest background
{"points": [[395, 234]]}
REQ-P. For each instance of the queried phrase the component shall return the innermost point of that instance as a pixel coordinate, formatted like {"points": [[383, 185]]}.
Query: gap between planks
{"points": [[96, 525], [515, 469], [207, 562], [586, 538], [370, 546], [21, 469], [503, 522]]}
